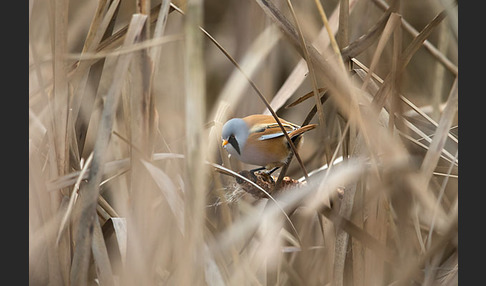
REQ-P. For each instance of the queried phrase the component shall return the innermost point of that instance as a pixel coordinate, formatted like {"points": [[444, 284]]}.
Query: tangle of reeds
{"points": [[129, 185]]}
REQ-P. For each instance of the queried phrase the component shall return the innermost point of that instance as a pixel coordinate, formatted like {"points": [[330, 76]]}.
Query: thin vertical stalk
{"points": [[60, 88], [439, 74], [189, 268], [433, 154], [59, 118], [332, 39], [343, 30], [390, 27]]}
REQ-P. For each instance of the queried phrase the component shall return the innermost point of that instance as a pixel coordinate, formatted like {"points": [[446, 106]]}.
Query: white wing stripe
{"points": [[270, 136]]}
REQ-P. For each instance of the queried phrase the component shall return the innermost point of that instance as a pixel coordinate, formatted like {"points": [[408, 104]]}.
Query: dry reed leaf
{"points": [[344, 6], [67, 180], [159, 30], [440, 72], [115, 234], [100, 257], [437, 144], [366, 40], [375, 224], [37, 130], [446, 155], [151, 43], [345, 210], [304, 98], [439, 201], [107, 207], [343, 30], [95, 23], [212, 272], [171, 193], [99, 27], [420, 38], [395, 106], [73, 197], [142, 106], [390, 27], [59, 105], [119, 166], [86, 85]]}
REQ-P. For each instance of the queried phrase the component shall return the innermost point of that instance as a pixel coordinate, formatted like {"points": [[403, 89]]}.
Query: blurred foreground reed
{"points": [[128, 184]]}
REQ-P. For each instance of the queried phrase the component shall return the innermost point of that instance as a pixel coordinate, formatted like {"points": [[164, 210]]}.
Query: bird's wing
{"points": [[292, 133], [270, 131]]}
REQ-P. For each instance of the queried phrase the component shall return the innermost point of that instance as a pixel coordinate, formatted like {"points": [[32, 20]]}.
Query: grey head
{"points": [[235, 131]]}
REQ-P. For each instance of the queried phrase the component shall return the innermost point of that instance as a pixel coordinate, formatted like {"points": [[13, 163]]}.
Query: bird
{"points": [[258, 140]]}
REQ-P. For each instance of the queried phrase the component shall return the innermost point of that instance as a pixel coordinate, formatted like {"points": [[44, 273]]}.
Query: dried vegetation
{"points": [[128, 184]]}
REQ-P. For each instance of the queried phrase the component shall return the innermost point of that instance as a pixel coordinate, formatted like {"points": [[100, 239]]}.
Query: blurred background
{"points": [[166, 216]]}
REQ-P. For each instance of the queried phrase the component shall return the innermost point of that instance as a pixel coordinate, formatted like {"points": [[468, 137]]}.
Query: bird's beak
{"points": [[224, 142]]}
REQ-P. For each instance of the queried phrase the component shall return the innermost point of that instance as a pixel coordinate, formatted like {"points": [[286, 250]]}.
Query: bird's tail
{"points": [[301, 130]]}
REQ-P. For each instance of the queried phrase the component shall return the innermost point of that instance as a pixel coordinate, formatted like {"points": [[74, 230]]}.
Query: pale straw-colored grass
{"points": [[128, 184]]}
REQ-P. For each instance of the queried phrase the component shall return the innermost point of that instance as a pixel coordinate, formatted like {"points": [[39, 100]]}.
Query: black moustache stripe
{"points": [[234, 143]]}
